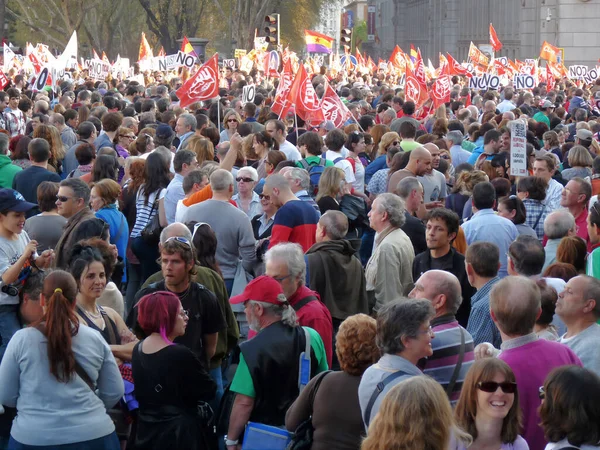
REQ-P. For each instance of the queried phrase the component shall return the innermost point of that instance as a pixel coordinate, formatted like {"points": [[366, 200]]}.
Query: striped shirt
{"points": [[145, 212], [446, 350]]}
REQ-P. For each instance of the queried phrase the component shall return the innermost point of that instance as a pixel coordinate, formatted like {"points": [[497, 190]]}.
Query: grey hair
{"points": [[399, 319], [292, 255], [165, 153], [335, 224], [285, 311], [3, 143], [175, 229], [302, 176], [558, 224], [390, 112], [79, 187], [250, 170], [455, 136], [161, 90], [393, 205], [220, 180], [189, 120], [406, 186]]}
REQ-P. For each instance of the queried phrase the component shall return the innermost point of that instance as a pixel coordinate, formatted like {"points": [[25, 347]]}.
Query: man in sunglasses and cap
{"points": [[266, 380], [515, 305]]}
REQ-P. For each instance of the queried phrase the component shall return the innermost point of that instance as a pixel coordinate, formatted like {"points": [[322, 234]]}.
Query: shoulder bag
{"points": [[151, 232], [378, 390], [303, 436]]}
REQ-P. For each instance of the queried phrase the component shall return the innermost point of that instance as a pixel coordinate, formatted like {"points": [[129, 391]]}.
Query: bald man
{"points": [[419, 164], [452, 345], [433, 181]]}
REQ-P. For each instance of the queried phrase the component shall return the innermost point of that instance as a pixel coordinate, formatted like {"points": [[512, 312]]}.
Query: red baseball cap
{"points": [[261, 289]]}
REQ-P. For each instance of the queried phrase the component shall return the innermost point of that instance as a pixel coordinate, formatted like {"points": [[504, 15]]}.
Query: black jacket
{"points": [[454, 263], [415, 230], [337, 275]]}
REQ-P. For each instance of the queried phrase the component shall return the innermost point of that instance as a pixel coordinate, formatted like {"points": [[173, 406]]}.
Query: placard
{"points": [[248, 93], [577, 72], [229, 63], [97, 68], [42, 78], [518, 148], [590, 76], [484, 82], [239, 52], [523, 81], [183, 59]]}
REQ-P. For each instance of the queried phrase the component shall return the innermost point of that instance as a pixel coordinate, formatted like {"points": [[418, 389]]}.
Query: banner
{"points": [[518, 148], [303, 96], [285, 83], [477, 56], [549, 52], [204, 85], [454, 68], [415, 90], [440, 92]]}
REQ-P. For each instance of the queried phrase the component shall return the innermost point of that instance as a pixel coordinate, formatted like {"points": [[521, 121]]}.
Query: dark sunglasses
{"points": [[395, 143], [245, 180], [179, 239], [62, 198], [445, 156], [232, 120], [507, 387], [265, 197]]}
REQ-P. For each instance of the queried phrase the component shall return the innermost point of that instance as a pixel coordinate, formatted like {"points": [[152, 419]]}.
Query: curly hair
{"points": [[355, 344], [466, 408], [414, 415]]}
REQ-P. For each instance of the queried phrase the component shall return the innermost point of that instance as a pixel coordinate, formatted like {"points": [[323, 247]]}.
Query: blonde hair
{"points": [[414, 415], [386, 140], [231, 112], [202, 147], [467, 180], [330, 183]]}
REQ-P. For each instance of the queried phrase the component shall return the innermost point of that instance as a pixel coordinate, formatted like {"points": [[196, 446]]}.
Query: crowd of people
{"points": [[178, 278]]}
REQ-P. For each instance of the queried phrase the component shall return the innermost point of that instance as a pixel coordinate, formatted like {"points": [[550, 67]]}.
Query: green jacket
{"points": [[228, 338], [7, 171]]}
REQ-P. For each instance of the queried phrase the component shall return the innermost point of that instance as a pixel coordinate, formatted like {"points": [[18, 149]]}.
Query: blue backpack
{"points": [[314, 171]]}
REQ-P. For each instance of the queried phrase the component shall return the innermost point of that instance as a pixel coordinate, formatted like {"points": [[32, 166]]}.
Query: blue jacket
{"points": [[377, 164]]}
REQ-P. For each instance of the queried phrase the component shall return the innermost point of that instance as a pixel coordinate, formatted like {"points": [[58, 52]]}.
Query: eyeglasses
{"points": [[63, 199], [508, 387], [429, 331], [184, 313], [179, 239], [280, 279], [264, 197], [445, 156], [198, 225], [244, 179], [126, 136], [395, 143], [541, 393]]}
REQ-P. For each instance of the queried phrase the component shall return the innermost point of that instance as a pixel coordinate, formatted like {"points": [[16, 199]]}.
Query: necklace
{"points": [[183, 294], [93, 316]]}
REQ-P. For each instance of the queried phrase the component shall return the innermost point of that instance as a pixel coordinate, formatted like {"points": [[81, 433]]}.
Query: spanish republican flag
{"points": [[187, 48], [317, 42], [549, 52]]}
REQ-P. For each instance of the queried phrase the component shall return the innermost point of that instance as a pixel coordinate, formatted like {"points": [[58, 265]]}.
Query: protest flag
{"points": [[145, 50], [304, 98], [187, 48], [204, 85], [317, 42], [549, 52], [333, 108], [496, 44]]}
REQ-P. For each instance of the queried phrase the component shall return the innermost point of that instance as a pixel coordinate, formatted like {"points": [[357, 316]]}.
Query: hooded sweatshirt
{"points": [[7, 171], [337, 275]]}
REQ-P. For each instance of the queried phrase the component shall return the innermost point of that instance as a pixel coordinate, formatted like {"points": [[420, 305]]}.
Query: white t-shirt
{"points": [[291, 152], [359, 175], [342, 164], [180, 211]]}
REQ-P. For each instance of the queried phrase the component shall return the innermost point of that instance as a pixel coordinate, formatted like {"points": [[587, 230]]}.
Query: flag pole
{"points": [[218, 114]]}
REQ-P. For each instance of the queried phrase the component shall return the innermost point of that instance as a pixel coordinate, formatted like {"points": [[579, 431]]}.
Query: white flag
{"points": [[9, 57]]}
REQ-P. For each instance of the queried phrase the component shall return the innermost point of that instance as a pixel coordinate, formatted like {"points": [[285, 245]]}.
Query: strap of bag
{"points": [[307, 355], [313, 394], [458, 366], [108, 325], [538, 218], [304, 164], [378, 390], [303, 302]]}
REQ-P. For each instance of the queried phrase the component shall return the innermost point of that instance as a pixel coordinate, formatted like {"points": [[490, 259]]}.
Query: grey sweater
{"points": [[235, 238], [54, 413], [585, 345]]}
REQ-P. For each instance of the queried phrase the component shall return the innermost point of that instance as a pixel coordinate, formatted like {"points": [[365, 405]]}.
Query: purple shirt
{"points": [[532, 362]]}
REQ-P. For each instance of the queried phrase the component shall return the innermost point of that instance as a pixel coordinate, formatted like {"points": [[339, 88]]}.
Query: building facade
{"points": [[522, 25]]}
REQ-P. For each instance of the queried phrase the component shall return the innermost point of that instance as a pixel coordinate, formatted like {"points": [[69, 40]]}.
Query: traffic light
{"points": [[346, 38], [272, 29]]}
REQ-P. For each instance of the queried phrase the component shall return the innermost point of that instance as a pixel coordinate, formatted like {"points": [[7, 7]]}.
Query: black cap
{"points": [[11, 200]]}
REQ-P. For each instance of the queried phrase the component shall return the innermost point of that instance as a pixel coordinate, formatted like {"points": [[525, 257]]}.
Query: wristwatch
{"points": [[229, 442]]}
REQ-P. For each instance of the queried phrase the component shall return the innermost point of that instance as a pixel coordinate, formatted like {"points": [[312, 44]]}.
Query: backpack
{"points": [[314, 171]]}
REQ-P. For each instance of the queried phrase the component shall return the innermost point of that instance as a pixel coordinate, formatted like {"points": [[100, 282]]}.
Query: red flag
{"points": [[3, 80], [371, 65], [419, 70], [280, 103], [145, 50], [204, 85], [397, 57], [415, 90], [454, 68], [496, 44], [333, 108], [549, 52], [303, 96], [37, 64], [162, 52], [440, 91], [359, 58]]}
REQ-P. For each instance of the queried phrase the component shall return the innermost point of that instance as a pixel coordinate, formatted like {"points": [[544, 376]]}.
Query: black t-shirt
{"points": [[205, 316], [27, 181]]}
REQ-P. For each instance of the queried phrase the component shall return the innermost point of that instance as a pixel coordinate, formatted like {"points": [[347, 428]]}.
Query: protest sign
{"points": [[518, 148], [485, 81], [183, 59], [248, 93], [523, 81]]}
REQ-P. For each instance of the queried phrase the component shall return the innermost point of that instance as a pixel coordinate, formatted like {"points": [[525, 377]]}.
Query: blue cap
{"points": [[11, 200]]}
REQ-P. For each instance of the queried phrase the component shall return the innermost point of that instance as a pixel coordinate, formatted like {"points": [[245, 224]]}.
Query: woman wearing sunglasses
{"points": [[488, 408], [246, 199], [570, 412], [230, 123]]}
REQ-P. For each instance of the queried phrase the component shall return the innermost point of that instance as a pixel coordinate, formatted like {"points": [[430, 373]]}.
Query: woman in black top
{"points": [[170, 382], [332, 185]]}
